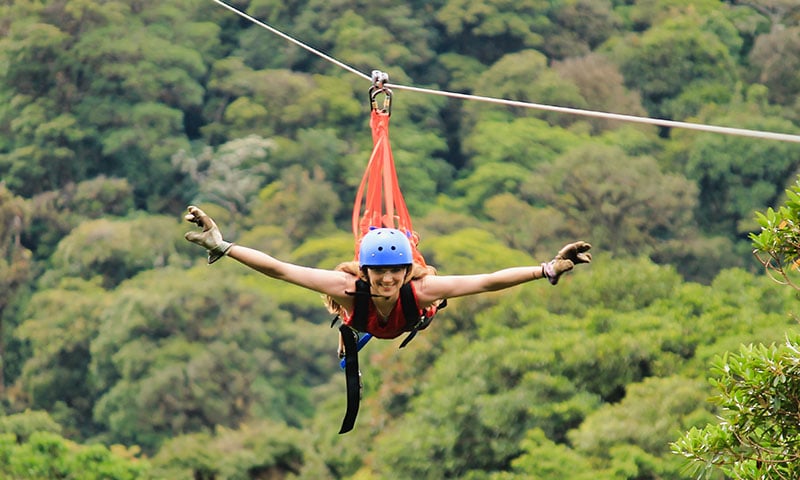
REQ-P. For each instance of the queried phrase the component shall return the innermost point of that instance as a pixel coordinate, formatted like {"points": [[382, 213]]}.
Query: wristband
{"points": [[549, 272], [219, 251]]}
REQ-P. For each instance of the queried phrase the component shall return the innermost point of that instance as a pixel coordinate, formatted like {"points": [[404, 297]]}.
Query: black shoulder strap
{"points": [[360, 306], [410, 307], [415, 320]]}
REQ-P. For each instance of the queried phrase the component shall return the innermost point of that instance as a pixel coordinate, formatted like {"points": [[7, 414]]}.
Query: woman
{"points": [[385, 264]]}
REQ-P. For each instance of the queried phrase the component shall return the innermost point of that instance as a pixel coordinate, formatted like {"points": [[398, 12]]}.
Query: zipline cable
{"points": [[611, 116], [784, 137]]}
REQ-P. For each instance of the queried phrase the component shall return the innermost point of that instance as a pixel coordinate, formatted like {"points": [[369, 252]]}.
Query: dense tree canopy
{"points": [[125, 356]]}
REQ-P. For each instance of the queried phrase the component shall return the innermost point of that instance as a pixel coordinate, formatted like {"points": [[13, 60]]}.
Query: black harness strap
{"points": [[352, 377], [422, 323], [358, 323], [361, 300], [361, 307], [410, 308]]}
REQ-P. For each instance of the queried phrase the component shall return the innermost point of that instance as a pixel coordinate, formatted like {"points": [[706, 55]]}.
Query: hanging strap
{"points": [[352, 378], [362, 340], [379, 201]]}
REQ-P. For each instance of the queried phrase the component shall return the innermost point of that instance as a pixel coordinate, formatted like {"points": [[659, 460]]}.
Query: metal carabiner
{"points": [[387, 100], [379, 80]]}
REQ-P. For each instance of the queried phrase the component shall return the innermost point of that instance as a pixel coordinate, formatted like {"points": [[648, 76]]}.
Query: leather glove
{"points": [[565, 260], [210, 238]]}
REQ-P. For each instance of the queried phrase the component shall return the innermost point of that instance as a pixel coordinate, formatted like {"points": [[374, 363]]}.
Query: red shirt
{"points": [[392, 327]]}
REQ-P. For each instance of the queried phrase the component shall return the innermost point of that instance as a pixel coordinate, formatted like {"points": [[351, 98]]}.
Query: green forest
{"points": [[126, 356]]}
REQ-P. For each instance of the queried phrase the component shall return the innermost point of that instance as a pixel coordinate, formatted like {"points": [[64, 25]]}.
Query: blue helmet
{"points": [[383, 247]]}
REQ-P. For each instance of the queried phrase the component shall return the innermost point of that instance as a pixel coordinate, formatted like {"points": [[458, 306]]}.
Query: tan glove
{"points": [[566, 259], [210, 238]]}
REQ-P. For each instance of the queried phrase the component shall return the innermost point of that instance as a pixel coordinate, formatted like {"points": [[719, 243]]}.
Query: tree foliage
{"points": [[734, 174], [673, 57], [59, 329], [757, 394], [190, 361], [115, 115], [777, 245], [613, 199], [260, 450], [776, 55], [31, 447]]}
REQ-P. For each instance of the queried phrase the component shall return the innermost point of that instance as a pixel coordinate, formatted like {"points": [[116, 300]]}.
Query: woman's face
{"points": [[386, 281]]}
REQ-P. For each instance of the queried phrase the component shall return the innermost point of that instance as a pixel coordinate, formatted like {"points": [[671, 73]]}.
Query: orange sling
{"points": [[379, 192]]}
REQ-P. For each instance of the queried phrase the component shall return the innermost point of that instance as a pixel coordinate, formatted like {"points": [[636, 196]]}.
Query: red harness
{"points": [[406, 316]]}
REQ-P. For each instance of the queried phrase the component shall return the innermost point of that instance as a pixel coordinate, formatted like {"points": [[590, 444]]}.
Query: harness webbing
{"points": [[361, 306], [379, 192], [352, 376]]}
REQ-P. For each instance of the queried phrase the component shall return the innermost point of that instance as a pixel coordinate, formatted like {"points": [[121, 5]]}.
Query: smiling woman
{"points": [[385, 265]]}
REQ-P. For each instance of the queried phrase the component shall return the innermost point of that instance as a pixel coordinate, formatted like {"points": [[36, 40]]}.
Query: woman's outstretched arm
{"points": [[435, 287], [328, 282]]}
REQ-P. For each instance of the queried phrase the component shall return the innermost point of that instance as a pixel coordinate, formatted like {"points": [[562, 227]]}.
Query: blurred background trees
{"points": [[125, 356]]}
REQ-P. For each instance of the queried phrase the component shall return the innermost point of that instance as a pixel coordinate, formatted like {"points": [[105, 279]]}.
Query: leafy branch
{"points": [[777, 246]]}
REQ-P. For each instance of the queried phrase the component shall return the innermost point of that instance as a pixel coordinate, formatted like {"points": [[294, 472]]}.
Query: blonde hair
{"points": [[416, 272]]}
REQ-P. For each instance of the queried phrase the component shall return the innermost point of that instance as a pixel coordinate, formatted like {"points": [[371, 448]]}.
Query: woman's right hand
{"points": [[210, 237]]}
